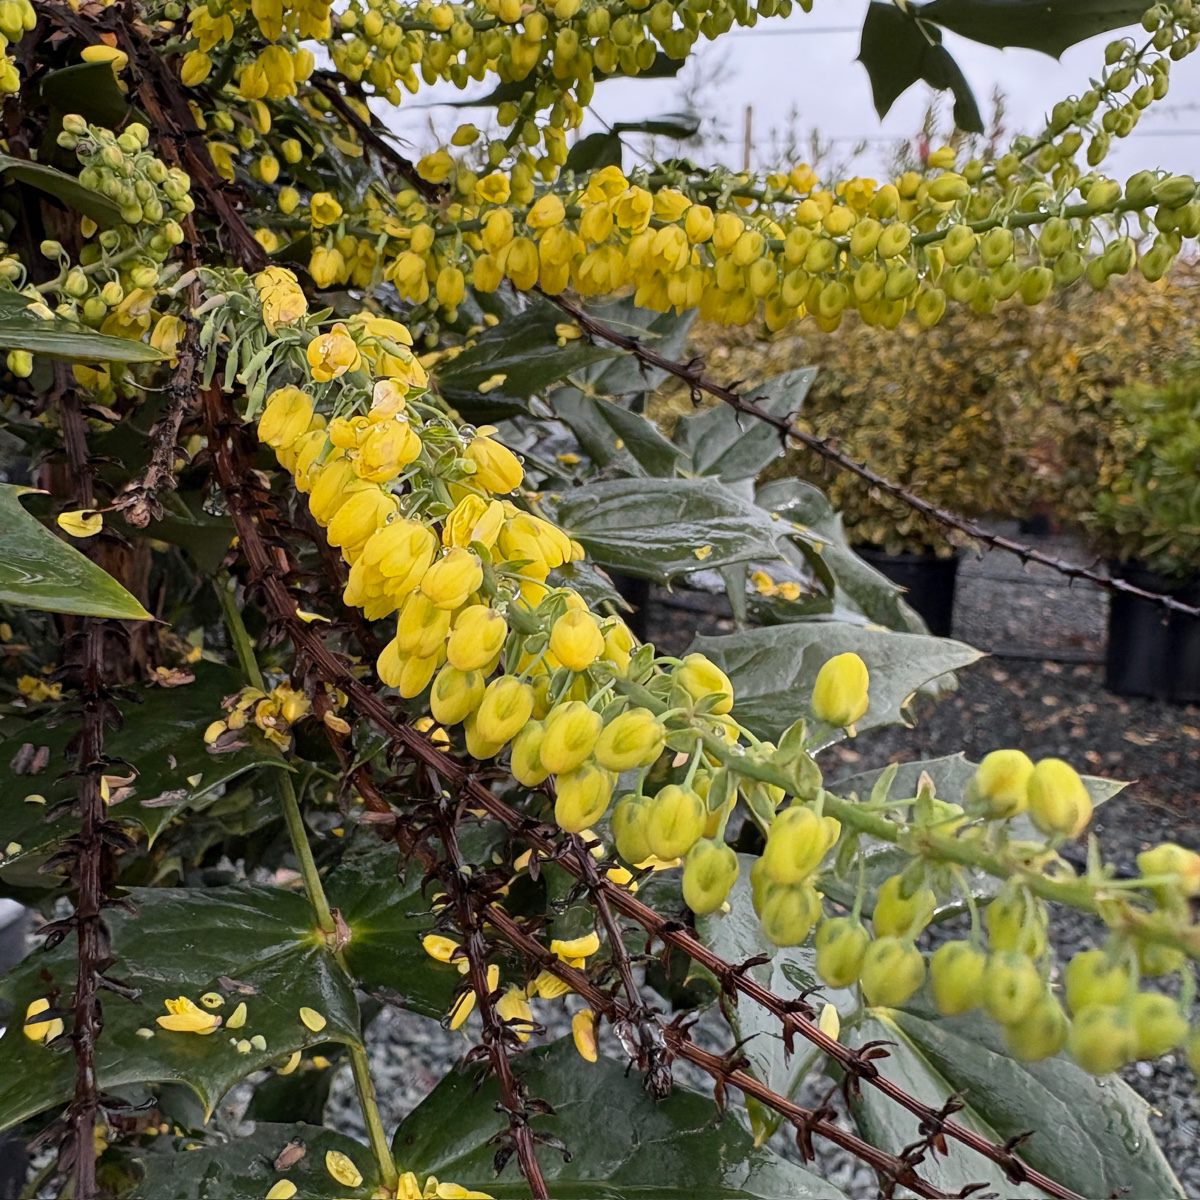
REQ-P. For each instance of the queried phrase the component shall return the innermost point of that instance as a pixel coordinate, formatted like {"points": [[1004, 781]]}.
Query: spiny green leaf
{"points": [[177, 942], [39, 570], [67, 188]]}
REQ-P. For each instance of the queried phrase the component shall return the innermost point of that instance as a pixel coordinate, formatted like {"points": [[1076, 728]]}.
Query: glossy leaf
{"points": [[525, 350], [898, 50], [87, 88], [594, 151], [63, 339], [609, 433], [39, 570], [387, 917], [64, 187], [181, 941], [721, 441], [1090, 1134], [737, 936], [622, 1143], [773, 670], [661, 528], [243, 1167], [1047, 25], [160, 738], [666, 333], [672, 125]]}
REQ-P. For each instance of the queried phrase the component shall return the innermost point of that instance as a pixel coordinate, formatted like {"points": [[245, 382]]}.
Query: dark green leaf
{"points": [[89, 89], [388, 917], [61, 339], [897, 50], [737, 936], [242, 1168], [672, 125], [526, 352], [1047, 25], [39, 570], [161, 739], [181, 942], [593, 152], [661, 528], [622, 1143], [584, 416], [624, 375], [723, 442], [627, 431], [1093, 1135], [64, 187], [773, 670]]}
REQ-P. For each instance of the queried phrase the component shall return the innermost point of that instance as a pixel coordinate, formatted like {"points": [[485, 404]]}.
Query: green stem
{"points": [[315, 890], [365, 1086]]}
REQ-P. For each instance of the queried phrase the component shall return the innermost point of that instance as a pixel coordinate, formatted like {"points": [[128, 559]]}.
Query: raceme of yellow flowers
{"points": [[439, 538]]}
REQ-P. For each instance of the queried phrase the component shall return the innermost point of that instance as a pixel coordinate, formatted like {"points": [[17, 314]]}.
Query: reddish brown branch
{"points": [[693, 375]]}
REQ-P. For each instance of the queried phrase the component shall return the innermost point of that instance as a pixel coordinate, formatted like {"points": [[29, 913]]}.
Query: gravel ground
{"points": [[1041, 688]]}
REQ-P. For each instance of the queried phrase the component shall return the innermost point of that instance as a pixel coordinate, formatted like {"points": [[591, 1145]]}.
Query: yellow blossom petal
{"points": [[583, 1031], [580, 947], [81, 523], [311, 1019], [341, 1167], [285, 1189]]}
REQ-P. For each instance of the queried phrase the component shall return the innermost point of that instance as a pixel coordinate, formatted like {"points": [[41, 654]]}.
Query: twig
{"points": [[693, 375]]}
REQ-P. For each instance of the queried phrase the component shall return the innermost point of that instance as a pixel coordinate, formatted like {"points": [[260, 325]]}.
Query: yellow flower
{"points": [[477, 639], [359, 518], [452, 578], [324, 209], [576, 640], [435, 167], [514, 1008], [497, 468], [281, 297], [386, 451], [332, 354], [546, 212], [473, 519], [185, 1017], [493, 188], [41, 1031]]}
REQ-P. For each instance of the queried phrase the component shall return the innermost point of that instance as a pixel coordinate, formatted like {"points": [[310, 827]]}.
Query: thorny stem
{"points": [[495, 1033], [693, 375]]}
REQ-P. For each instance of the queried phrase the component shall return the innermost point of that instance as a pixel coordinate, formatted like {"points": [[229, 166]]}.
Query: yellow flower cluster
{"points": [[513, 659], [17, 18]]}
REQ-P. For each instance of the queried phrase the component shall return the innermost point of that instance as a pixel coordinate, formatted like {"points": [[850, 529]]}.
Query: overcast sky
{"points": [[808, 62]]}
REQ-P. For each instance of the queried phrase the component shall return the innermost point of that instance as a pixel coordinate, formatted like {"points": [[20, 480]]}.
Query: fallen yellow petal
{"points": [[583, 1030], [312, 1019], [439, 947], [285, 1189], [81, 523], [580, 947], [237, 1018], [292, 1063], [341, 1167]]}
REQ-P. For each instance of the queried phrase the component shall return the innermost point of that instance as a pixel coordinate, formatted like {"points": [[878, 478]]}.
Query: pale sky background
{"points": [[808, 61]]}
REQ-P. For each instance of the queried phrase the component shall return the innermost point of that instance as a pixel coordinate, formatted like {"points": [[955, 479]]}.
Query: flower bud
{"points": [[1011, 986], [421, 627], [839, 696], [358, 519], [582, 796], [699, 678], [452, 578], [526, 760], [576, 640], [956, 977], [899, 915], [999, 786], [496, 467], [797, 841], [1016, 920], [629, 819], [1058, 800], [478, 638], [1169, 859], [709, 871], [455, 694], [841, 943], [1158, 1024], [507, 704], [787, 912], [571, 732], [1041, 1033], [635, 738], [409, 674], [477, 745], [1091, 978], [1101, 1040], [892, 971], [675, 821]]}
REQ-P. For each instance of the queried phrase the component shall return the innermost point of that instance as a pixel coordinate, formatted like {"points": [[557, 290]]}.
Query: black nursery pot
{"points": [[928, 582], [1152, 651]]}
